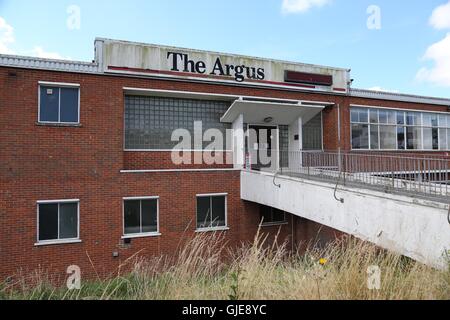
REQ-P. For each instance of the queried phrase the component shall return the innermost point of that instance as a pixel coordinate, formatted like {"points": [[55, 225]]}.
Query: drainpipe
{"points": [[339, 137]]}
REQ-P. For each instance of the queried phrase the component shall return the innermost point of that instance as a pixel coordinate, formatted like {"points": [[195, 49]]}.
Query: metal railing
{"points": [[414, 175]]}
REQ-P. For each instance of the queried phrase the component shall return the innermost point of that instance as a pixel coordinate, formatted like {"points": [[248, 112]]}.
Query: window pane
{"points": [[435, 134], [426, 119], [388, 137], [443, 139], [383, 116], [68, 220], [373, 116], [278, 216], [49, 102], [132, 219], [360, 136], [448, 139], [434, 120], [414, 138], [413, 118], [203, 212], [218, 211], [400, 117], [401, 138], [374, 141], [359, 115], [312, 134], [48, 222], [442, 120], [266, 214], [69, 105], [427, 139], [150, 215], [430, 119]]}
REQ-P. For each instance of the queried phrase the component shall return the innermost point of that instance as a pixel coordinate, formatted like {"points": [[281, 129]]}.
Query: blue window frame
{"points": [[59, 104]]}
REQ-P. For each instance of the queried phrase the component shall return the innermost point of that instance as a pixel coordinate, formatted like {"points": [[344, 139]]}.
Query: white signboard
{"points": [[162, 61]]}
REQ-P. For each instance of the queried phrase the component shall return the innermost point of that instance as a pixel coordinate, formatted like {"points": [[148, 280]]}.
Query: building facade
{"points": [[144, 147]]}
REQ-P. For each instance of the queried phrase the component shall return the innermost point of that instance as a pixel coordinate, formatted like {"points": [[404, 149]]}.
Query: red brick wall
{"points": [[48, 163], [155, 160]]}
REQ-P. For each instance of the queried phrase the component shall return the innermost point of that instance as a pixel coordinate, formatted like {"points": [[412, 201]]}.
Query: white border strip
{"points": [[205, 95], [59, 84], [57, 201], [179, 170], [204, 195], [175, 150], [141, 198]]}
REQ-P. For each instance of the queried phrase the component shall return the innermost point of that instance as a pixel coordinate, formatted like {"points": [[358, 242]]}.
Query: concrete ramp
{"points": [[416, 228]]}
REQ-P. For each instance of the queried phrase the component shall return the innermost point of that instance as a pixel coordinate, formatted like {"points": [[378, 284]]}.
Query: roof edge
{"points": [[383, 95]]}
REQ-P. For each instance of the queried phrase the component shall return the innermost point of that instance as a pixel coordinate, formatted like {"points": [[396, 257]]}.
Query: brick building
{"points": [[87, 169]]}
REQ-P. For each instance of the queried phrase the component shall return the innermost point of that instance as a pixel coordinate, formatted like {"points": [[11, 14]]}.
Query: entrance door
{"points": [[262, 146]]}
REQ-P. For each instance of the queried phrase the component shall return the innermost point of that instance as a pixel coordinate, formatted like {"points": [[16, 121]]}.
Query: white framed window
{"points": [[391, 129], [58, 221], [211, 212], [140, 217], [58, 103]]}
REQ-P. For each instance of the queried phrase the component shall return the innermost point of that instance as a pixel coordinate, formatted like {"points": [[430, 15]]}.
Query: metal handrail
{"points": [[414, 175]]}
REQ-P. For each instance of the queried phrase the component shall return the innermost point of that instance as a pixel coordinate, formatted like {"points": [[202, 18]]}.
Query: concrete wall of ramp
{"points": [[415, 228]]}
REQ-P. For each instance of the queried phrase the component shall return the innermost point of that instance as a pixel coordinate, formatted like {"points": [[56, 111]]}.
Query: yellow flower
{"points": [[323, 261]]}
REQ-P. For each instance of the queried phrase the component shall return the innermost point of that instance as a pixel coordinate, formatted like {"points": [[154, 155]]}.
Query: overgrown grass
{"points": [[256, 271]]}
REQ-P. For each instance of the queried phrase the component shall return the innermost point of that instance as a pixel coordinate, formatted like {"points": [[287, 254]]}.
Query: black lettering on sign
{"points": [[238, 72]]}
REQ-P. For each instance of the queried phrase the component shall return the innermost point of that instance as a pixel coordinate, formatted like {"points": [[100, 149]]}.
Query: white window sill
{"points": [[56, 242], [212, 229], [274, 224], [59, 124], [141, 235]]}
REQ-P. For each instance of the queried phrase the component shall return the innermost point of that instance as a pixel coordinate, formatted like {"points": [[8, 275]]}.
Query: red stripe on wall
{"points": [[205, 76]]}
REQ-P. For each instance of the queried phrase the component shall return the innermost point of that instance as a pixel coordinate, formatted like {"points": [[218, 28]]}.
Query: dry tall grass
{"points": [[258, 271]]}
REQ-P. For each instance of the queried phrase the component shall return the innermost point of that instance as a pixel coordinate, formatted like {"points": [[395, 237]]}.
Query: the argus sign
{"points": [[181, 62]]}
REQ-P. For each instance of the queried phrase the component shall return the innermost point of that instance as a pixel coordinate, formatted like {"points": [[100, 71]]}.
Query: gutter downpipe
{"points": [[339, 137]]}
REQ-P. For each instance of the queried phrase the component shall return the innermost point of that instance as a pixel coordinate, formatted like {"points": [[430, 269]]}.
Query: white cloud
{"points": [[376, 88], [300, 6], [440, 19], [439, 74], [6, 37], [39, 52]]}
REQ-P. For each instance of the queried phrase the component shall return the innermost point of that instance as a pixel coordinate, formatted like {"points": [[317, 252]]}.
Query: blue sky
{"points": [[409, 52]]}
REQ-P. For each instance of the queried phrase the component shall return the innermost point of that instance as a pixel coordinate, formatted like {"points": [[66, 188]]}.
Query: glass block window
{"points": [[312, 133], [284, 145], [150, 121]]}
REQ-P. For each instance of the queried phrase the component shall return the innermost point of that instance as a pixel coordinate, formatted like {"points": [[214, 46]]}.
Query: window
{"points": [[150, 121], [384, 129], [59, 104], [140, 216], [312, 134], [211, 211], [271, 216], [58, 220]]}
